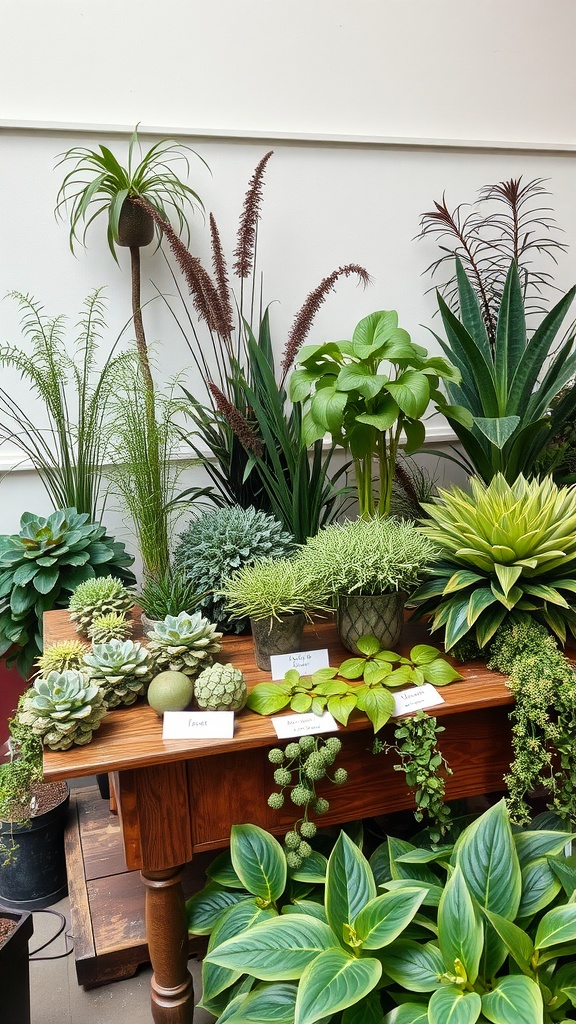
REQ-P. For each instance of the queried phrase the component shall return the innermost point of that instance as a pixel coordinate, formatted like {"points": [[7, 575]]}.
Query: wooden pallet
{"points": [[107, 900]]}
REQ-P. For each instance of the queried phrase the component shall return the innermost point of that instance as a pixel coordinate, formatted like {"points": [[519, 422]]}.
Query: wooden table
{"points": [[178, 797]]}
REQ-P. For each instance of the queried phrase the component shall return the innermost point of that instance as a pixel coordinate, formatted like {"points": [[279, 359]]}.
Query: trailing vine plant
{"points": [[298, 768], [421, 761]]}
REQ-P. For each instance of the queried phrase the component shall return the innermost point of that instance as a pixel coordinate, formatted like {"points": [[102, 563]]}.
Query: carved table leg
{"points": [[172, 993]]}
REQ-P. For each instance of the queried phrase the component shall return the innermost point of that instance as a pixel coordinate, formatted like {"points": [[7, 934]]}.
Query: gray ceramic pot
{"points": [[379, 615], [276, 636]]}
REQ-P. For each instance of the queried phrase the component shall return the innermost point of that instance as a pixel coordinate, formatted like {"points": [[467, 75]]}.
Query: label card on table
{"points": [[417, 698], [198, 725], [304, 725], [305, 662]]}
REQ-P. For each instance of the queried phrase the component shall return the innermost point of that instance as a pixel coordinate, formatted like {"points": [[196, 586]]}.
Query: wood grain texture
{"points": [[132, 737]]}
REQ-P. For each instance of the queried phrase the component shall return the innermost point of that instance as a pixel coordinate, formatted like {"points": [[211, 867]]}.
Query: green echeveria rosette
{"points": [[508, 553], [63, 709], [122, 669], [218, 543], [183, 643], [41, 567], [220, 688]]}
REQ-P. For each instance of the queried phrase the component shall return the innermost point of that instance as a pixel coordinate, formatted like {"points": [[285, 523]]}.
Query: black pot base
{"points": [[37, 904]]}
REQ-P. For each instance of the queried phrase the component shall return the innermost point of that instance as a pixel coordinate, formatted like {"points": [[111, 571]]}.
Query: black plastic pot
{"points": [[14, 969], [35, 877]]}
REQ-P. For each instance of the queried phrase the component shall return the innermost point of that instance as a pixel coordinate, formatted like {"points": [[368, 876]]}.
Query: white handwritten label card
{"points": [[305, 662], [417, 698], [304, 725], [198, 725]]}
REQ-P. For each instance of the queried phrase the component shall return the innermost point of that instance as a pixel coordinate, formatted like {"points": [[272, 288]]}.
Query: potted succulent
{"points": [[367, 393], [367, 568], [277, 595]]}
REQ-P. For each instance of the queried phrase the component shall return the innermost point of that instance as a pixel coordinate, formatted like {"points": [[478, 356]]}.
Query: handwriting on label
{"points": [[305, 662], [205, 725], [304, 725], [417, 698]]}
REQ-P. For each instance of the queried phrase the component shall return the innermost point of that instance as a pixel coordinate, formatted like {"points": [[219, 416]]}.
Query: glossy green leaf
{"points": [[266, 1004], [237, 920], [530, 845], [517, 941], [342, 707], [334, 981], [497, 429], [539, 887], [368, 645], [423, 654], [205, 907], [407, 1013], [564, 982], [411, 391], [220, 870], [440, 673], [460, 929], [350, 884], [355, 377], [514, 1000], [352, 668], [378, 705], [327, 408], [557, 926], [312, 869], [259, 861], [414, 965], [450, 1005], [276, 950], [301, 702], [384, 918], [268, 698]]}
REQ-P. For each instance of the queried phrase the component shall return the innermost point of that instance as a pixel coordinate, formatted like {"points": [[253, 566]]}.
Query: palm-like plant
{"points": [[508, 551], [69, 452]]}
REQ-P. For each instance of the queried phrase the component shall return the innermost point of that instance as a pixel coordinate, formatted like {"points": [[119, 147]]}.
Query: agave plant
{"points": [[41, 566], [508, 551], [509, 383], [63, 709]]}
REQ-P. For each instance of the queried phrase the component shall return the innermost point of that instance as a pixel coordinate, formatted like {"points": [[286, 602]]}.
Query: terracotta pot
{"points": [[276, 636], [135, 226], [379, 615]]}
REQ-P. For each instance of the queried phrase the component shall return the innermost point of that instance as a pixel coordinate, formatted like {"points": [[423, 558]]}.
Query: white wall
{"points": [[225, 76]]}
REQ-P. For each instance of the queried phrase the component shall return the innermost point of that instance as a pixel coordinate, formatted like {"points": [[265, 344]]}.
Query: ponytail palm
{"points": [[508, 551]]}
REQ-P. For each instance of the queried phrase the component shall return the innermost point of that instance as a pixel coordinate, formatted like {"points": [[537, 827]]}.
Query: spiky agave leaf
{"points": [[507, 551]]}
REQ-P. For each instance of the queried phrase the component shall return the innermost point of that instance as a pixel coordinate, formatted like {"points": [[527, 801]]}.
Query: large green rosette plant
{"points": [[508, 551], [41, 566], [508, 383], [367, 393]]}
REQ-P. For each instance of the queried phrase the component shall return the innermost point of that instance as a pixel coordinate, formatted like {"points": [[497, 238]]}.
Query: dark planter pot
{"points": [[14, 969], [276, 636], [379, 615], [35, 877], [135, 226], [11, 687]]}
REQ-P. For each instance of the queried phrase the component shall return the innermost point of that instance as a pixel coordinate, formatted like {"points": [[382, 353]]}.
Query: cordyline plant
{"points": [[508, 552], [246, 421]]}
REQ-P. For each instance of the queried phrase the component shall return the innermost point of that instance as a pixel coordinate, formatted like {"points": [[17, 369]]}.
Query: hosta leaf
{"points": [[411, 391], [564, 981], [513, 1000], [266, 1004], [327, 407], [350, 884], [539, 887], [205, 907], [460, 929], [407, 1013], [384, 918], [366, 1011], [557, 926], [332, 982], [355, 377], [276, 950], [450, 1005], [259, 861], [234, 921], [517, 941], [414, 965], [312, 869]]}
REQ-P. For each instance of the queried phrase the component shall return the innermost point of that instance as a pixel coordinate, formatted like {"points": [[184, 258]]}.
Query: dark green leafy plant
{"points": [[500, 946], [216, 544], [18, 778], [39, 569], [508, 383], [299, 767], [68, 453], [169, 593], [368, 392], [508, 551], [543, 683], [271, 589], [329, 689], [421, 761]]}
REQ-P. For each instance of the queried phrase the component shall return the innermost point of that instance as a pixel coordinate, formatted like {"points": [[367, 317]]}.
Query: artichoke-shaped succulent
{"points": [[220, 688], [98, 597], [41, 566], [61, 656], [63, 709], [111, 626], [216, 544], [122, 669], [183, 643]]}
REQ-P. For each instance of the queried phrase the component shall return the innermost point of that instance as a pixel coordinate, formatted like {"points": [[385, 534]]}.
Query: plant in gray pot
{"points": [[277, 597], [367, 568]]}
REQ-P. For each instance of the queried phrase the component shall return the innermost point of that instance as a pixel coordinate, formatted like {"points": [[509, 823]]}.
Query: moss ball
{"points": [[170, 691]]}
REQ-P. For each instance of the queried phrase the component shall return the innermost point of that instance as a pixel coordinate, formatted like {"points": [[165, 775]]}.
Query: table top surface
{"points": [[131, 737]]}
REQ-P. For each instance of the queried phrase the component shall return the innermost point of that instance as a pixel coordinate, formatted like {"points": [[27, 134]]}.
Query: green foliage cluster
{"points": [[18, 777], [366, 393], [508, 551], [543, 683], [299, 767], [63, 709], [215, 545], [39, 569], [168, 593], [334, 690], [367, 556], [421, 761], [268, 589], [483, 930]]}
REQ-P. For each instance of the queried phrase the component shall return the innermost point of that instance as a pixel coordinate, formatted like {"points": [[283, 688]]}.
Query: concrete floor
{"points": [[56, 997]]}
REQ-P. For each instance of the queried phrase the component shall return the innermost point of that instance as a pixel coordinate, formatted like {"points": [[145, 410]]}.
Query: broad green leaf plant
{"points": [[484, 930], [367, 394], [508, 384], [508, 551]]}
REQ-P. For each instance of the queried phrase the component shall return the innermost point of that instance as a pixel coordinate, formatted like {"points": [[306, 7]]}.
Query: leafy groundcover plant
{"points": [[484, 930]]}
